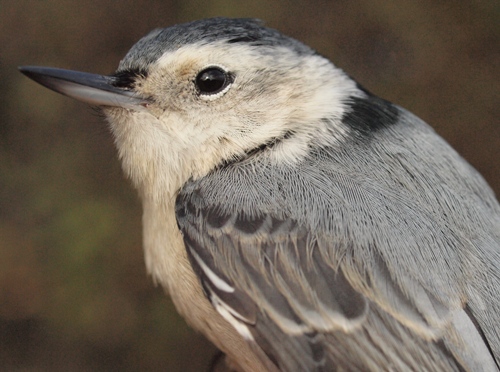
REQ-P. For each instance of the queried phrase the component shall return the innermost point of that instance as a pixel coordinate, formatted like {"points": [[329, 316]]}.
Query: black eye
{"points": [[212, 80]]}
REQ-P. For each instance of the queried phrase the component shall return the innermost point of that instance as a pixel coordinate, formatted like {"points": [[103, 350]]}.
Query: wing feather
{"points": [[336, 262]]}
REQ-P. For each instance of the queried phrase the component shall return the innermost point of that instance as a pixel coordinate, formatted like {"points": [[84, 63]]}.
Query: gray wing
{"points": [[386, 269], [270, 278]]}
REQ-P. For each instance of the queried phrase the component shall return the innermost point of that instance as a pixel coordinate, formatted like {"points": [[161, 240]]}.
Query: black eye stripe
{"points": [[127, 78], [212, 80]]}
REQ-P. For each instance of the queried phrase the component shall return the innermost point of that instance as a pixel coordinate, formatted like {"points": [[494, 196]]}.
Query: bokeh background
{"points": [[74, 293]]}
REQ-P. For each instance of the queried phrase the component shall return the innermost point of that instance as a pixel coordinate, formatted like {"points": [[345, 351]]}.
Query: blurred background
{"points": [[74, 293]]}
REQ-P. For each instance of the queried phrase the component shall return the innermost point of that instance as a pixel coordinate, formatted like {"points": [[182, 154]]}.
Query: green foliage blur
{"points": [[74, 292]]}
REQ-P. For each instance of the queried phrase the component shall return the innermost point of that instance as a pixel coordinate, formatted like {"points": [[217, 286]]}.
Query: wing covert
{"points": [[271, 264], [269, 279]]}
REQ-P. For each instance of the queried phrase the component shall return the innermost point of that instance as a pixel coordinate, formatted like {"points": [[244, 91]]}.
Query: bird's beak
{"points": [[91, 88]]}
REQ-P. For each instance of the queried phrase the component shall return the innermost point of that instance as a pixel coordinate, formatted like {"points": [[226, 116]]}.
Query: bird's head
{"points": [[188, 98]]}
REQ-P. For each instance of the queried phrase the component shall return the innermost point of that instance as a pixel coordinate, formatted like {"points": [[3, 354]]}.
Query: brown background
{"points": [[74, 294]]}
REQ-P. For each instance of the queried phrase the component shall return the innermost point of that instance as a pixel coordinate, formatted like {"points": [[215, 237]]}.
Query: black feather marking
{"points": [[256, 150], [248, 224], [268, 291], [127, 78], [353, 304], [180, 211], [244, 39], [271, 143], [330, 286], [215, 218], [190, 208], [369, 114]]}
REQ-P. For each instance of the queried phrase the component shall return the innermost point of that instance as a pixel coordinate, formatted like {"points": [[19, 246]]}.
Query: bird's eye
{"points": [[212, 80]]}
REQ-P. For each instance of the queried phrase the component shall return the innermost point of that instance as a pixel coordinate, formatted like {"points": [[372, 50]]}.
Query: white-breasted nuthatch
{"points": [[300, 222]]}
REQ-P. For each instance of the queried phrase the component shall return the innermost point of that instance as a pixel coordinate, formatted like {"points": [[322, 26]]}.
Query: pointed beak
{"points": [[94, 89]]}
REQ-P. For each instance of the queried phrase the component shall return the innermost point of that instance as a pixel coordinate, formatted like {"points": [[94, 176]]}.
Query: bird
{"points": [[297, 220]]}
